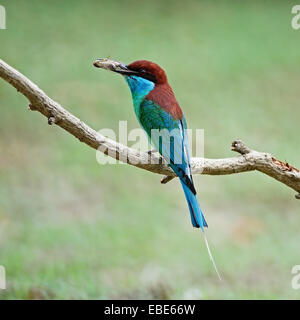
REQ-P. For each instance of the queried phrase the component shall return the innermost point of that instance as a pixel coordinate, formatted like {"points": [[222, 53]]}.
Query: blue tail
{"points": [[197, 217]]}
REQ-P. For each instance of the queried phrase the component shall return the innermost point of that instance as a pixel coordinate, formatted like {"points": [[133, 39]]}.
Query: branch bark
{"points": [[249, 160]]}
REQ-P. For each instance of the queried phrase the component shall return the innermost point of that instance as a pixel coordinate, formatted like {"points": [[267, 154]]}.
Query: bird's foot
{"points": [[152, 151]]}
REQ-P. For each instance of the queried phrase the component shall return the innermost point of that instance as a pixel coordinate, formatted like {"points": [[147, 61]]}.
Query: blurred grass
{"points": [[70, 228]]}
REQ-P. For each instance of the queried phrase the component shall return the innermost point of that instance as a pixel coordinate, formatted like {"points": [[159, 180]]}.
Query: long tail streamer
{"points": [[210, 256]]}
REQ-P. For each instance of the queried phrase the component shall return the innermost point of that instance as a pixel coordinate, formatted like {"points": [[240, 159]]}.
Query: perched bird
{"points": [[160, 115]]}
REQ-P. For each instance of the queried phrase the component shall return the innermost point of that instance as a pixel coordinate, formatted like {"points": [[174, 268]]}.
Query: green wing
{"points": [[169, 137]]}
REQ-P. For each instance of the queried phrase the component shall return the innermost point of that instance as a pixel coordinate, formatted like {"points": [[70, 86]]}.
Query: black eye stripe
{"points": [[141, 73], [147, 75]]}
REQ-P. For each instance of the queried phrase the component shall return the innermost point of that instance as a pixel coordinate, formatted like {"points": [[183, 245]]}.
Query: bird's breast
{"points": [[163, 96]]}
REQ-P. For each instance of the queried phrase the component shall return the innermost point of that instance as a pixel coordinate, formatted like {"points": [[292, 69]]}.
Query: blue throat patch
{"points": [[139, 88]]}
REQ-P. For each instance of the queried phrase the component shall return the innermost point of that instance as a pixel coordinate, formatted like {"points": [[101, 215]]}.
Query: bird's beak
{"points": [[114, 66]]}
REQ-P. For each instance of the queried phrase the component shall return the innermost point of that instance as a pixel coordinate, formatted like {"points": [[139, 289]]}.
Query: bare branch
{"points": [[249, 160]]}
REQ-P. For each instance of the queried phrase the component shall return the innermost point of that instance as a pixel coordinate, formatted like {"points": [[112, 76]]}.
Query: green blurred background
{"points": [[72, 229]]}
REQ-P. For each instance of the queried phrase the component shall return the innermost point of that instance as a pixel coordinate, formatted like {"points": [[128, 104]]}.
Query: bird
{"points": [[161, 117]]}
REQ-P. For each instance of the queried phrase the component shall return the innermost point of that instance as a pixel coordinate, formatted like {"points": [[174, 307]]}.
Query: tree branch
{"points": [[249, 160]]}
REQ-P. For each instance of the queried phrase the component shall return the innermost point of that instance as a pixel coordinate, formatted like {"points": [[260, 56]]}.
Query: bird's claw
{"points": [[152, 151]]}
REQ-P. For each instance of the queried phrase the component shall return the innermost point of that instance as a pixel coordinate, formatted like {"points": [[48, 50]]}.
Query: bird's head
{"points": [[141, 68]]}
